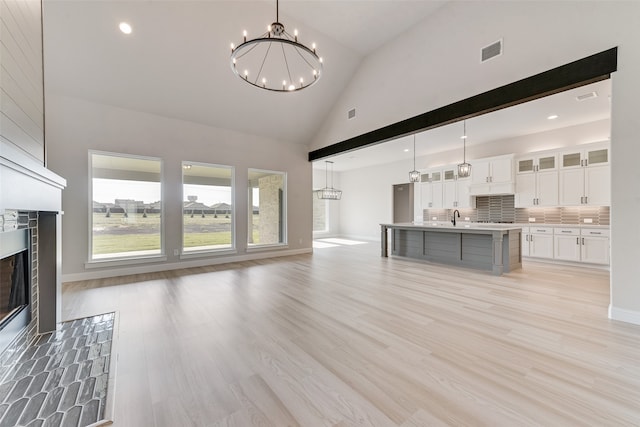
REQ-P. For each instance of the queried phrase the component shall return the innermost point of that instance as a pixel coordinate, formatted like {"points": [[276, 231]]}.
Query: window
{"points": [[267, 207], [320, 215], [126, 213], [207, 213]]}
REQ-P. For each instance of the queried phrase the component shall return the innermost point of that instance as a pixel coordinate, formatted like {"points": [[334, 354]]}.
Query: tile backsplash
{"points": [[502, 209]]}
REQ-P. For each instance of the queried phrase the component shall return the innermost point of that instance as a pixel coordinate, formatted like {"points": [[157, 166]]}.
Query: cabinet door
{"points": [[571, 187], [449, 195], [567, 247], [597, 156], [525, 190], [597, 185], [417, 202], [595, 250], [436, 195], [502, 170], [547, 188], [449, 189], [426, 197], [571, 160], [526, 165], [541, 245], [547, 163], [462, 193], [480, 171]]}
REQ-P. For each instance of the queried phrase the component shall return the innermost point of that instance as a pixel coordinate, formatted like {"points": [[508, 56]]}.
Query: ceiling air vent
{"points": [[586, 96], [491, 51], [351, 113]]}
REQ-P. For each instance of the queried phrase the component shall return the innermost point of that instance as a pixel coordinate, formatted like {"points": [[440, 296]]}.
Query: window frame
{"points": [[127, 259], [285, 230], [213, 251]]}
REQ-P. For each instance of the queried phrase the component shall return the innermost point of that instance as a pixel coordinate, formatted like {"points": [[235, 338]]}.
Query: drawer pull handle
{"points": [[566, 231], [595, 232]]}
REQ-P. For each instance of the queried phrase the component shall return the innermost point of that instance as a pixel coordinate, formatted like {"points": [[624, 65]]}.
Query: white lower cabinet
{"points": [[567, 244], [587, 245], [595, 246], [539, 242]]}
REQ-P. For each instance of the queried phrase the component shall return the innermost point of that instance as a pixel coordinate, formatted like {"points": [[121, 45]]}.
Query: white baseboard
{"points": [[624, 315], [154, 268]]}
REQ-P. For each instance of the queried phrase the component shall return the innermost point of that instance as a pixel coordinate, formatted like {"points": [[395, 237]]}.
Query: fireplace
{"points": [[30, 246], [15, 284]]}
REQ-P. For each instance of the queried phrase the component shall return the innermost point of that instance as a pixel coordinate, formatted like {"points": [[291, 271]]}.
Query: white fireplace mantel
{"points": [[27, 185]]}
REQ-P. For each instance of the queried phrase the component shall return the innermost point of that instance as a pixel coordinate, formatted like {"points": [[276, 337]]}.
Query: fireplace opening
{"points": [[15, 284], [14, 281]]}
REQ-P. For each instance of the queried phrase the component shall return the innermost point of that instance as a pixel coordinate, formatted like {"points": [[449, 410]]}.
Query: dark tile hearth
{"points": [[59, 378]]}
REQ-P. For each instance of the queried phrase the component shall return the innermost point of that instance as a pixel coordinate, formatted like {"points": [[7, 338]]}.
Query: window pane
{"points": [[126, 218], [320, 215], [268, 198], [207, 207]]}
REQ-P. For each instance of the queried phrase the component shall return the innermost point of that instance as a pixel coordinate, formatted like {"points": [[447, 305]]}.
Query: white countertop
{"points": [[460, 225]]}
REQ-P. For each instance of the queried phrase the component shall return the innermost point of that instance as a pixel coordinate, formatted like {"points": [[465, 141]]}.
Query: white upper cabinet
{"points": [[585, 176], [455, 189], [431, 190], [537, 180], [493, 175]]}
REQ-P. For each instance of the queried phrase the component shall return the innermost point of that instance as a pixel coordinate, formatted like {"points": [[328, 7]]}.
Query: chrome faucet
{"points": [[453, 221]]}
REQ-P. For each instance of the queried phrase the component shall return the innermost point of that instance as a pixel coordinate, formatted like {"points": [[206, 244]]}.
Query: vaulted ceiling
{"points": [[175, 63]]}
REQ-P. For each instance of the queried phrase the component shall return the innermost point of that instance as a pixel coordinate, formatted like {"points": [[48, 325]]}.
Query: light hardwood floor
{"points": [[344, 337]]}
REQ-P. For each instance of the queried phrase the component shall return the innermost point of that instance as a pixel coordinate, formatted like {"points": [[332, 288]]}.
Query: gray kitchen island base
{"points": [[492, 248]]}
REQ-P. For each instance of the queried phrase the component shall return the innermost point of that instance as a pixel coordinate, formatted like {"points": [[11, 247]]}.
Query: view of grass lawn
{"points": [[119, 234]]}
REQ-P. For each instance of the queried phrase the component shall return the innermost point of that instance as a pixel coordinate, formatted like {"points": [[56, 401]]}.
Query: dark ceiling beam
{"points": [[574, 74]]}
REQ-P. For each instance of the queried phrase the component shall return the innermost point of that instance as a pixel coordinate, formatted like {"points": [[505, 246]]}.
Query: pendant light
{"points": [[414, 175], [276, 56], [464, 168], [328, 193]]}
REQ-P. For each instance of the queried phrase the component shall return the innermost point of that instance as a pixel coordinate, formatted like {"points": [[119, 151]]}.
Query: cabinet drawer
{"points": [[541, 230], [565, 231], [595, 232]]}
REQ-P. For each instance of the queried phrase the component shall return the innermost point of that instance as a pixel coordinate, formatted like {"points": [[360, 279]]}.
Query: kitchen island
{"points": [[492, 247]]}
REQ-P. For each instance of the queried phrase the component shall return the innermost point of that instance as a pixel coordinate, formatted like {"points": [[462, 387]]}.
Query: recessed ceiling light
{"points": [[125, 28], [552, 117], [406, 150]]}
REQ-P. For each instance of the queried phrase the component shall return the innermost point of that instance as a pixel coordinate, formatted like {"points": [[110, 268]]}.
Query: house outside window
{"points": [[126, 206], [267, 216]]}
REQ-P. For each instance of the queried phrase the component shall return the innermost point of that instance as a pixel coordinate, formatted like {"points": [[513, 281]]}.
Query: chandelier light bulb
{"points": [[246, 74], [125, 28], [292, 87]]}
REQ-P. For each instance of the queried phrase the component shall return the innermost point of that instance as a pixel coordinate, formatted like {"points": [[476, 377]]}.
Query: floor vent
{"points": [[491, 51], [351, 113]]}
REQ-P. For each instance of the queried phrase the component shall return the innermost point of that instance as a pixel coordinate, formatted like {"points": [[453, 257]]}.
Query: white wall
{"points": [[75, 126], [368, 196], [437, 63]]}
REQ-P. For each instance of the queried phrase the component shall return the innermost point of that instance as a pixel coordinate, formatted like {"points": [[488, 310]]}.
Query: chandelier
{"points": [[414, 175], [464, 168], [328, 193], [275, 60]]}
